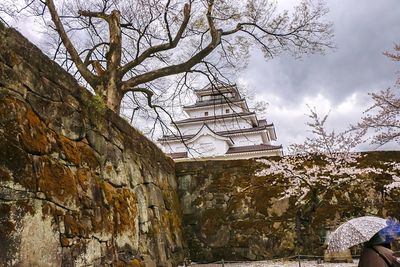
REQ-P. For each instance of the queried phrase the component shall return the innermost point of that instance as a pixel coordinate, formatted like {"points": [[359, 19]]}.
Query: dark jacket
{"points": [[370, 258]]}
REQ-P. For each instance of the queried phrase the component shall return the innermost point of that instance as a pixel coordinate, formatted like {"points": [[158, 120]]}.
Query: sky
{"points": [[337, 82]]}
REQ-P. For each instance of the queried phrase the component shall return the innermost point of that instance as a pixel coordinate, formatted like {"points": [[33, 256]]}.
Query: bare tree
{"points": [[141, 48], [383, 117]]}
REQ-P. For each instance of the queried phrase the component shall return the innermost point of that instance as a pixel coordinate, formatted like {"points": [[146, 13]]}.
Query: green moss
{"points": [[98, 104], [96, 110]]}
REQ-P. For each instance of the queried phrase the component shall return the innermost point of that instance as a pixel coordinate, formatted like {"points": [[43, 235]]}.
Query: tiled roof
{"points": [[244, 149], [214, 102], [246, 130], [233, 150], [218, 85], [207, 118], [185, 137]]}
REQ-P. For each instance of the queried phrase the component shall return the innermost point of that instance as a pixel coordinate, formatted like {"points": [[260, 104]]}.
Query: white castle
{"points": [[220, 126]]}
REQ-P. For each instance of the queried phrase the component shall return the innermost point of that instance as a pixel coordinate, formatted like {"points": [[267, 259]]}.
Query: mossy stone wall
{"points": [[230, 213], [78, 185]]}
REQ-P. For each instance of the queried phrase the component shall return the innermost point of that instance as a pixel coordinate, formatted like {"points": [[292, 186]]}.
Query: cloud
{"points": [[339, 80]]}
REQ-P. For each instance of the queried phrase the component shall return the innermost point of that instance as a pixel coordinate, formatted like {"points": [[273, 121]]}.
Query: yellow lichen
{"points": [[57, 181]]}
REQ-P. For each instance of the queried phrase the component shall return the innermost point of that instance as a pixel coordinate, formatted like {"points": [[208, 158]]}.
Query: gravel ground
{"points": [[278, 264]]}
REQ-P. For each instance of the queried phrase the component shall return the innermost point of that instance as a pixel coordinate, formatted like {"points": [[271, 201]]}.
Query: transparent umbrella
{"points": [[360, 230]]}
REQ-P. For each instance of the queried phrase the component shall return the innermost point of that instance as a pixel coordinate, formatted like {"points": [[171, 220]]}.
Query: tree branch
{"points": [[162, 47], [89, 77], [90, 14], [185, 66], [87, 61]]}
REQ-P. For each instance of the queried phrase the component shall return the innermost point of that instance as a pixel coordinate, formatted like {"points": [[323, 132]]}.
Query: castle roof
{"points": [[262, 126], [215, 102], [218, 117], [217, 89], [206, 130], [220, 107], [235, 150], [253, 148]]}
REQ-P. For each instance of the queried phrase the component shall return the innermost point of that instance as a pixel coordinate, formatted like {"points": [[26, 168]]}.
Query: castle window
{"points": [[227, 110], [206, 113]]}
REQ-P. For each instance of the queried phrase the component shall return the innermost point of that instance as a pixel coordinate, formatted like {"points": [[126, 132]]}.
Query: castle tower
{"points": [[220, 126]]}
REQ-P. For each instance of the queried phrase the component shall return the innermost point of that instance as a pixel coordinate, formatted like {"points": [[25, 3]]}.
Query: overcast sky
{"points": [[338, 81]]}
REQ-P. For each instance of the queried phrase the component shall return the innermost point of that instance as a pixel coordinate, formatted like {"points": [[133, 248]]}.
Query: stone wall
{"points": [[230, 213], [78, 185]]}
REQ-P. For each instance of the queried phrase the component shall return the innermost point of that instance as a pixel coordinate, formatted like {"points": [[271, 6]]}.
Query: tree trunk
{"points": [[111, 95], [113, 91], [114, 98]]}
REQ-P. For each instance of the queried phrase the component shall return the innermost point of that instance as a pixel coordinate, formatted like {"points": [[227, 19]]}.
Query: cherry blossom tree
{"points": [[383, 117], [323, 162], [320, 168], [394, 172], [313, 182], [309, 177], [323, 141]]}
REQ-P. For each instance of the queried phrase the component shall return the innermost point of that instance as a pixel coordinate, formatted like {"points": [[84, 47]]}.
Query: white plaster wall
{"points": [[190, 128], [174, 147], [235, 124], [204, 146], [197, 113], [232, 124], [237, 109], [214, 110], [247, 140], [207, 146], [271, 133]]}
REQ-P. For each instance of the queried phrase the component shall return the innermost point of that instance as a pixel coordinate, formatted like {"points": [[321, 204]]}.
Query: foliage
{"points": [[97, 103]]}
